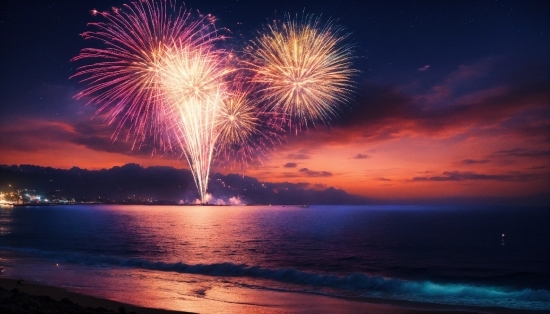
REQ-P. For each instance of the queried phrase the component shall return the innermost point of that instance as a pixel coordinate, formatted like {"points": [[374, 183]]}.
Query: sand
{"points": [[32, 297], [35, 290]]}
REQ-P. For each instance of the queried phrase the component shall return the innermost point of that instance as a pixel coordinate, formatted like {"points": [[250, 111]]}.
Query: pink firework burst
{"points": [[123, 76]]}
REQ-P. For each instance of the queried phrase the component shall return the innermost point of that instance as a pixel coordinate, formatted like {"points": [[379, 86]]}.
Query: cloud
{"points": [[383, 179], [360, 156], [298, 156], [456, 107], [30, 135], [521, 152], [290, 165], [319, 186], [311, 173], [97, 135], [464, 176], [289, 175], [473, 161], [102, 144], [466, 73], [65, 144], [424, 68], [36, 134]]}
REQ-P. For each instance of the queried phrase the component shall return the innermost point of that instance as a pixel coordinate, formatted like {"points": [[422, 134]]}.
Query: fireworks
{"points": [[245, 132], [159, 76], [193, 83], [155, 57], [303, 69], [238, 121], [124, 77]]}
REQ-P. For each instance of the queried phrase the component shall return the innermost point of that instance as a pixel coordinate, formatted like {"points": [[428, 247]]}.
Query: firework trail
{"points": [[148, 78], [123, 78], [193, 82], [303, 70]]}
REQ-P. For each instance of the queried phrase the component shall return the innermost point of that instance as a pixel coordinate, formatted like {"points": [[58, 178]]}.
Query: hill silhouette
{"points": [[133, 183]]}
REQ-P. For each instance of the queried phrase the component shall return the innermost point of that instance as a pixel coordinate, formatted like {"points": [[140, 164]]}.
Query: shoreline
{"points": [[37, 290], [32, 293], [236, 301]]}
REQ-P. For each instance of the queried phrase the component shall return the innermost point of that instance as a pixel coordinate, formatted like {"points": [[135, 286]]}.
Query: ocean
{"points": [[197, 257]]}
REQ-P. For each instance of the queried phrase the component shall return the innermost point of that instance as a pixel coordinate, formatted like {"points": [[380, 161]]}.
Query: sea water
{"points": [[176, 257]]}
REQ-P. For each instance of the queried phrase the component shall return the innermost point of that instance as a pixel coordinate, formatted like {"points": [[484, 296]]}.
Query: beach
{"points": [[31, 295]]}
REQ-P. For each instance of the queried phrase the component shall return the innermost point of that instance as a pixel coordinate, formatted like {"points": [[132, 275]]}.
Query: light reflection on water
{"points": [[5, 219]]}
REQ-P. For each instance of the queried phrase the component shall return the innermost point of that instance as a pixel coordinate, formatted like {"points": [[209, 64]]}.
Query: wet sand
{"points": [[62, 296], [31, 294]]}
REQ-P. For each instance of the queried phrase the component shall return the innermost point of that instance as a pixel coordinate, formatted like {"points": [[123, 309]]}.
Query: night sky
{"points": [[452, 99]]}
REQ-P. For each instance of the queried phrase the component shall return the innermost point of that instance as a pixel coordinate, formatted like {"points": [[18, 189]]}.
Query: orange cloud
{"points": [[59, 144]]}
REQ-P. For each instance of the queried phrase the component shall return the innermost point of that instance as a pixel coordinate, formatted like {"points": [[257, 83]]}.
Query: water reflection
{"points": [[6, 219], [200, 234]]}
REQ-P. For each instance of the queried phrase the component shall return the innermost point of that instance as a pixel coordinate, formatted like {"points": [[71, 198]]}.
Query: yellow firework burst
{"points": [[244, 132], [303, 69], [238, 120]]}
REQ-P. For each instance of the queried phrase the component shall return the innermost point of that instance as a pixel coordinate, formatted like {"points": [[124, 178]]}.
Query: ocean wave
{"points": [[366, 285]]}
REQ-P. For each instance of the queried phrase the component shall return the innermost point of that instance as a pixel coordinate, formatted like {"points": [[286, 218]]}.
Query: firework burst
{"points": [[123, 78], [237, 121], [193, 83], [244, 131], [303, 69], [159, 76]]}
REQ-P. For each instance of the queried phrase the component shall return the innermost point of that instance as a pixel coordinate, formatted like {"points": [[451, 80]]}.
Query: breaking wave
{"points": [[365, 285]]}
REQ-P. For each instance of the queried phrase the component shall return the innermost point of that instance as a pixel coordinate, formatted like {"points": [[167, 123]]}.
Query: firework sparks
{"points": [[155, 77], [238, 120], [159, 76], [193, 83], [244, 132], [303, 70], [124, 76]]}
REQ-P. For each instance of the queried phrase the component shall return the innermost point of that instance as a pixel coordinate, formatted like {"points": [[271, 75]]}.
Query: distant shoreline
{"points": [[151, 204]]}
